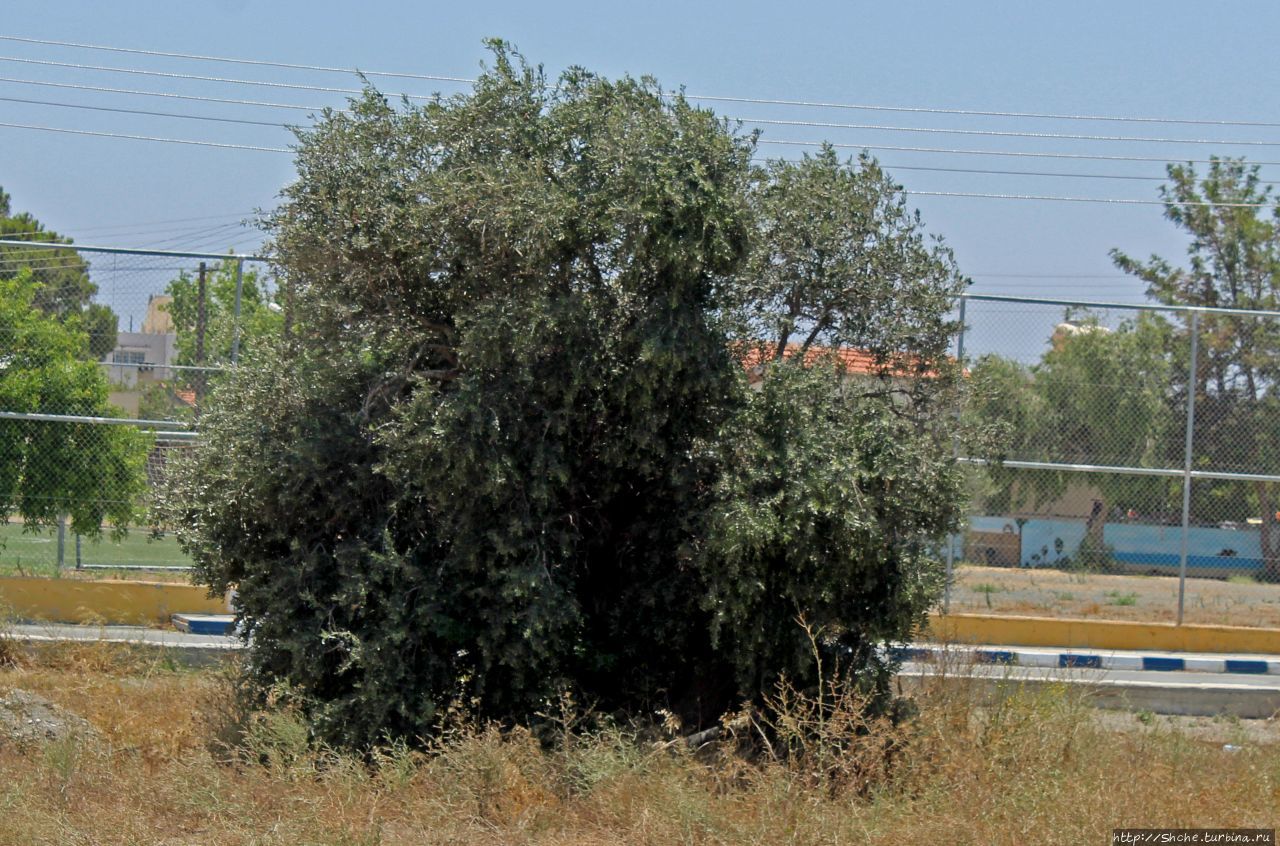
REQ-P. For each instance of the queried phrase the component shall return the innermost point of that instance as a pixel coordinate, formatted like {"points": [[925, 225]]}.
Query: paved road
{"points": [[1186, 693], [184, 645]]}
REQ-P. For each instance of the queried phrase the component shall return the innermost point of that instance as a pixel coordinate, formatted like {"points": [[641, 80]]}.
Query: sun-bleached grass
{"points": [[1036, 767]]}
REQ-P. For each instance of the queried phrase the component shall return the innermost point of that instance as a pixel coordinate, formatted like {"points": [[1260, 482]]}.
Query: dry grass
{"points": [[1037, 768], [1150, 599]]}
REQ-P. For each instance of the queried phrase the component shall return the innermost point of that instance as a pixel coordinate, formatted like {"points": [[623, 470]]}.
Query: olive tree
{"points": [[508, 444]]}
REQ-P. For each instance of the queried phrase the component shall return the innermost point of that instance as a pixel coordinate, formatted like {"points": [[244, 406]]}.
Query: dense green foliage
{"points": [[510, 445], [61, 276], [91, 473]]}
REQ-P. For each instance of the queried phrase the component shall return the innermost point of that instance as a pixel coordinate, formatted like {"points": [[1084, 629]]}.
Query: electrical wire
{"points": [[1110, 200], [165, 94], [143, 112], [774, 141], [980, 112], [258, 62], [147, 138], [120, 231], [995, 133], [199, 78], [708, 97], [759, 121], [912, 192], [882, 164], [1014, 153]]}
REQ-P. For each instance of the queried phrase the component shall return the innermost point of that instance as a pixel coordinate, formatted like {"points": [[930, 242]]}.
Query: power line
{"points": [[979, 112], [762, 121], [258, 62], [143, 112], [140, 228], [1053, 275], [1109, 200], [707, 97], [915, 193], [285, 126], [165, 94], [995, 132], [147, 138], [1015, 153], [227, 80]]}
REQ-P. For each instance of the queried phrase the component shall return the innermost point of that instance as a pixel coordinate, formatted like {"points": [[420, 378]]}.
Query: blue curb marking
{"points": [[1097, 660], [1165, 665], [207, 624]]}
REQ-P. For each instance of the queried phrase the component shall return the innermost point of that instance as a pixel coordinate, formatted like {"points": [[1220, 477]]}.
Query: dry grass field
{"points": [[1055, 593], [1043, 769]]}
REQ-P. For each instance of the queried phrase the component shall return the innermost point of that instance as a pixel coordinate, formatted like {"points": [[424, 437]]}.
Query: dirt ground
{"points": [[1054, 593]]}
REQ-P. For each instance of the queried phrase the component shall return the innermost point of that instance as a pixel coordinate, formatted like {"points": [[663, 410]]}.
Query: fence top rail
{"points": [[1008, 298], [129, 251], [81, 418]]}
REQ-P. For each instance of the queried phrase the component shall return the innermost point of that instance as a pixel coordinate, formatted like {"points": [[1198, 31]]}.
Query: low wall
{"points": [[105, 602], [1101, 634]]}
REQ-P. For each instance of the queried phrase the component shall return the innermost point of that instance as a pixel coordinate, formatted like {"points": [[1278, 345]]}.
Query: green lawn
{"points": [[36, 554]]}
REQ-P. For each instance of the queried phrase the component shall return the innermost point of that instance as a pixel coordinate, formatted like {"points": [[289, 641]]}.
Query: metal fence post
{"points": [[62, 541], [201, 318], [955, 453], [1192, 385], [235, 317]]}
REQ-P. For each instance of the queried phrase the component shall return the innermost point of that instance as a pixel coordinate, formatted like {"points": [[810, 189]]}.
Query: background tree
{"points": [[1097, 396], [48, 470], [1233, 262], [493, 461], [61, 276], [257, 320]]}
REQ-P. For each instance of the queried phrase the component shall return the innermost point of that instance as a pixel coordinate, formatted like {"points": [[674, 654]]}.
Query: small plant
{"points": [[1145, 717], [10, 652], [986, 588], [1115, 597], [1095, 556], [1241, 579]]}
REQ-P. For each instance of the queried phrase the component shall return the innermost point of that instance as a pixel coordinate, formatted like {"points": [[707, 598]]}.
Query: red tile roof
{"points": [[851, 360]]}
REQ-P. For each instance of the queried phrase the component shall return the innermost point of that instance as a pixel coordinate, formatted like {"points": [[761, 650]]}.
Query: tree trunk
{"points": [[1269, 537]]}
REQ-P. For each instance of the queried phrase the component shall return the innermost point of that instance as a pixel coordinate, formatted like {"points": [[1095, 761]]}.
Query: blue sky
{"points": [[1170, 59]]}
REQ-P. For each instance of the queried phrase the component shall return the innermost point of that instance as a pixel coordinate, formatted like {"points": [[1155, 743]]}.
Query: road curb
{"points": [[1069, 634], [1216, 696], [1095, 659]]}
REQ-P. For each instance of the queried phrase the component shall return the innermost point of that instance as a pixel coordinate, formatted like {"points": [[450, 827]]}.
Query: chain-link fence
{"points": [[1124, 462], [106, 357]]}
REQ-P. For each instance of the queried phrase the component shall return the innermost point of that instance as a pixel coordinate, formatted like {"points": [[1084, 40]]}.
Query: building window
{"points": [[129, 357]]}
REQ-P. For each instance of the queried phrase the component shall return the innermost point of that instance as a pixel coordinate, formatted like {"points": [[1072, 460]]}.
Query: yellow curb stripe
{"points": [[1101, 634], [105, 602]]}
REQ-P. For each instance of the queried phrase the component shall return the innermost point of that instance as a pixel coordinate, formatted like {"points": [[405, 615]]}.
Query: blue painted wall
{"points": [[1139, 547]]}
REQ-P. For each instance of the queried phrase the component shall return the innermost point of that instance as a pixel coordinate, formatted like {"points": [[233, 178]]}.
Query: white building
{"points": [[142, 358]]}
